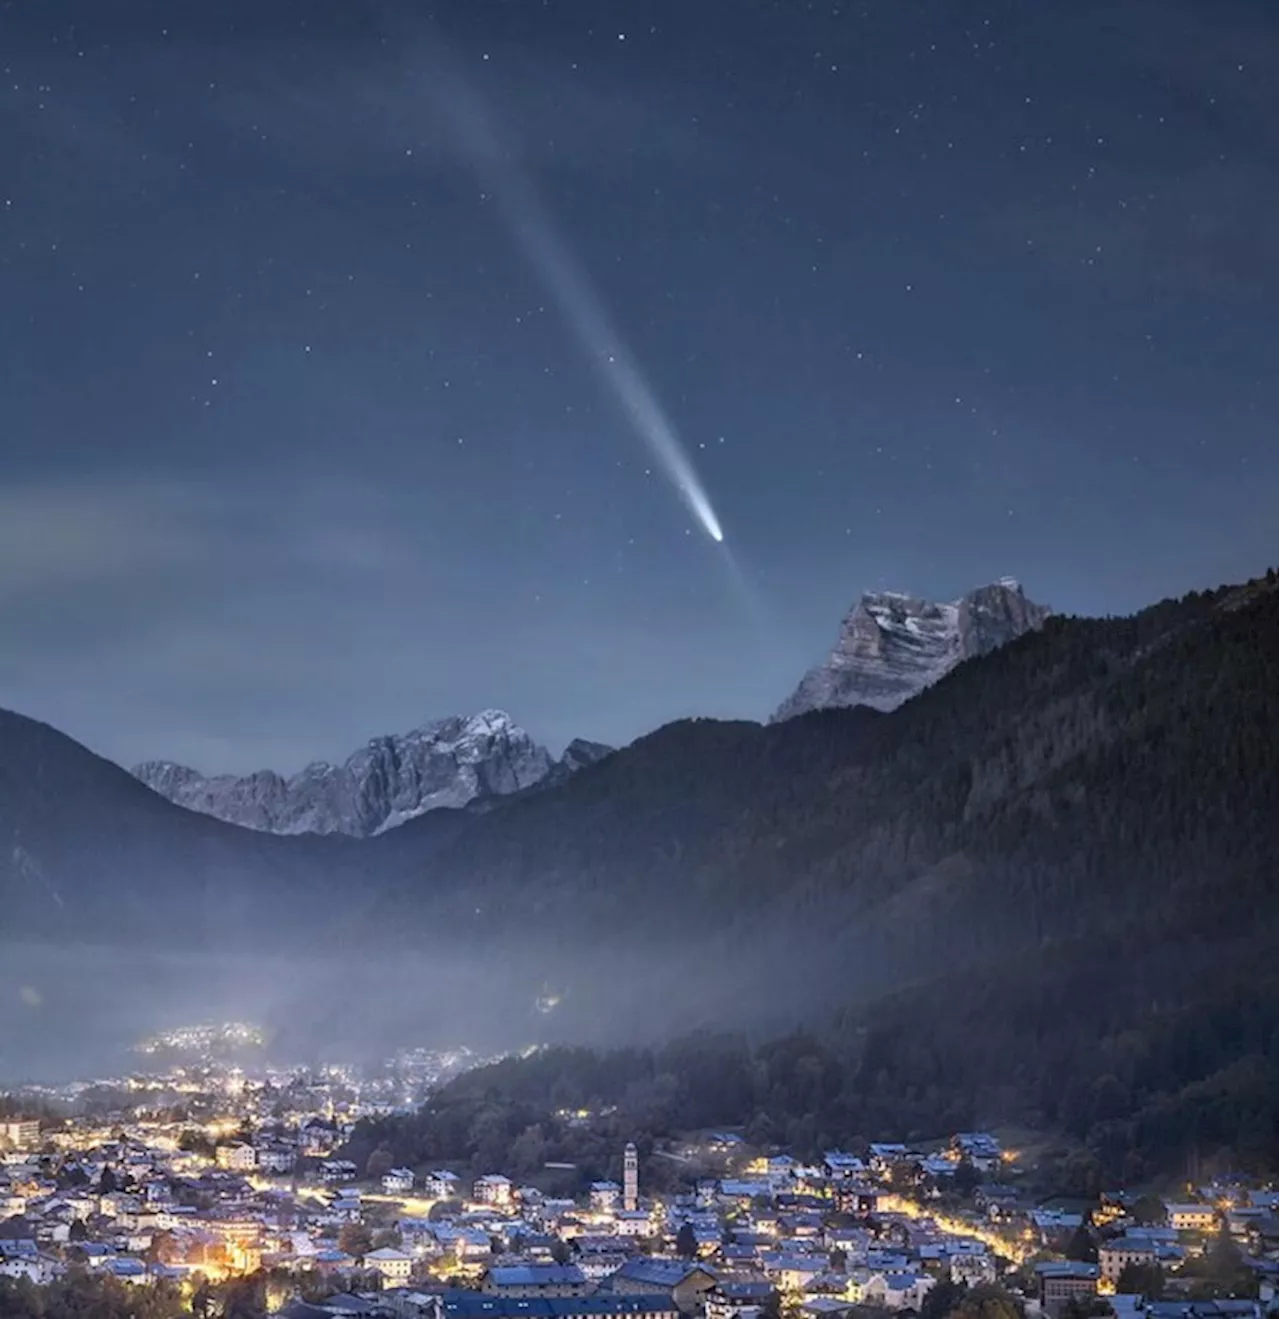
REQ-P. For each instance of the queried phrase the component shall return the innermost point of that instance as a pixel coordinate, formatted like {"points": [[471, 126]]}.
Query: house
{"points": [[394, 1265], [1061, 1281], [736, 1300], [236, 1157], [793, 1273], [980, 1147], [338, 1170], [535, 1280], [317, 1138], [334, 1261], [1115, 1255], [20, 1133], [883, 1156], [996, 1201], [682, 1280], [1263, 1237], [1192, 1217], [838, 1165], [493, 1189], [276, 1158], [441, 1185], [724, 1142], [397, 1181], [972, 1269], [37, 1268], [126, 1268], [605, 1196]]}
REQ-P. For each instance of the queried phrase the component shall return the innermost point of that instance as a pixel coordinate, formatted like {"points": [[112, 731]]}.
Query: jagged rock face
{"points": [[892, 646], [390, 780], [580, 753]]}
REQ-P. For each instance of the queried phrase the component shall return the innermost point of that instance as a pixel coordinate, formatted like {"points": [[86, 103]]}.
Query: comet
{"points": [[534, 232]]}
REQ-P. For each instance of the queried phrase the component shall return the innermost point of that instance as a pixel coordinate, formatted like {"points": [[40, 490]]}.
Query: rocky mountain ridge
{"points": [[451, 762], [892, 646]]}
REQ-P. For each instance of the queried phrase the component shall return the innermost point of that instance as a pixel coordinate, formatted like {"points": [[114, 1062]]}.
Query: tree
{"points": [[1077, 1307], [966, 1179], [108, 1182], [1141, 1280], [686, 1242], [1081, 1247], [355, 1239], [987, 1301], [1148, 1211], [1220, 1271], [379, 1163], [560, 1252], [196, 1142], [942, 1298]]}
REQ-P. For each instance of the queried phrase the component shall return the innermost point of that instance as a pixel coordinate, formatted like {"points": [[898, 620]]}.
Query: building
{"points": [[276, 1158], [841, 1166], [493, 1189], [972, 1269], [1116, 1254], [237, 1157], [535, 1280], [1061, 1281], [20, 1133], [632, 1223], [316, 1138], [683, 1281], [1192, 1217], [630, 1178], [897, 1291], [397, 1181], [736, 1300], [980, 1147], [441, 1185], [793, 1273], [394, 1265], [604, 1196]]}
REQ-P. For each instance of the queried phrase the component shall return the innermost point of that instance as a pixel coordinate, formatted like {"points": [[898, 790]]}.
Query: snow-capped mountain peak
{"points": [[447, 762], [892, 645]]}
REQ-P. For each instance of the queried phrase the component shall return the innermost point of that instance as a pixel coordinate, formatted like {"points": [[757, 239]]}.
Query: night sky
{"points": [[302, 444]]}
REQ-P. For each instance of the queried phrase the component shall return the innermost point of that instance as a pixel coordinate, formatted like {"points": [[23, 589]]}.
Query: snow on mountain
{"points": [[451, 762], [892, 646]]}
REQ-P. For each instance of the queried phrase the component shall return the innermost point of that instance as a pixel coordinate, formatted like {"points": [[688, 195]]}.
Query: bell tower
{"points": [[630, 1178]]}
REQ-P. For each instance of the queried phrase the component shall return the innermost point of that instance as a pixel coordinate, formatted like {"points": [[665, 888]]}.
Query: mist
{"points": [[77, 1011]]}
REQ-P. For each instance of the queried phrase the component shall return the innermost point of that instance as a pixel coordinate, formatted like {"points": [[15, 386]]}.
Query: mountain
{"points": [[892, 646], [449, 763], [1042, 893], [1055, 865]]}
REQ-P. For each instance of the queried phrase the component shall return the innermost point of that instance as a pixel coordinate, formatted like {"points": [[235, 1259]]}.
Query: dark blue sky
{"points": [[298, 448]]}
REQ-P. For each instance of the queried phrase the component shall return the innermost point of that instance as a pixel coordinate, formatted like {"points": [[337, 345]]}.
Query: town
{"points": [[204, 1176]]}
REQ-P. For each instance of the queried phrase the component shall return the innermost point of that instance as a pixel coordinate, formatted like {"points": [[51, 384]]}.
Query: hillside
{"points": [[1089, 807], [1094, 776], [1042, 892]]}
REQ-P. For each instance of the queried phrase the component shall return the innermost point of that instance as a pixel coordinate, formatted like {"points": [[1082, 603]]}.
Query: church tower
{"points": [[630, 1178]]}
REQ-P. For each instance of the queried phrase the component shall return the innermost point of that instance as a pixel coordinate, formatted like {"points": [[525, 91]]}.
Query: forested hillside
{"points": [[1043, 891]]}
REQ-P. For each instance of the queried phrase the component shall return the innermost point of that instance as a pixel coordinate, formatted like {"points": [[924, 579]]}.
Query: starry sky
{"points": [[299, 445]]}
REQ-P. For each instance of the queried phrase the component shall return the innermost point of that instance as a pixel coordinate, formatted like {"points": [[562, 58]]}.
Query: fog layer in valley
{"points": [[76, 1012]]}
